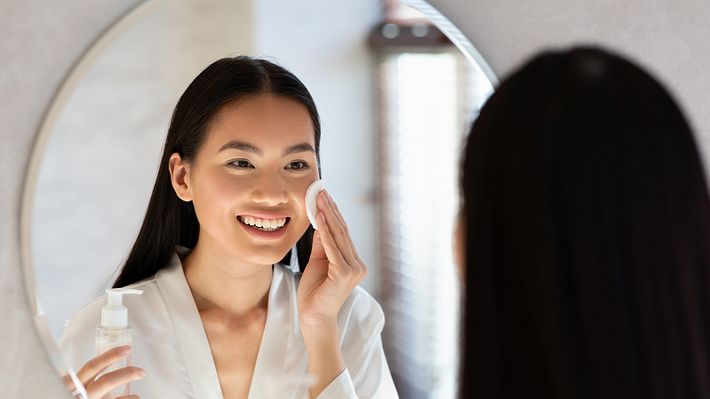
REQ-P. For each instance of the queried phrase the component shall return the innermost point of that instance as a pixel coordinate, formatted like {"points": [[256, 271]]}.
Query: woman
{"points": [[585, 238], [225, 312]]}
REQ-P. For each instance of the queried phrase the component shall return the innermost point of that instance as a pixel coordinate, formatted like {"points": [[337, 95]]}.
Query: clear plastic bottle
{"points": [[114, 329]]}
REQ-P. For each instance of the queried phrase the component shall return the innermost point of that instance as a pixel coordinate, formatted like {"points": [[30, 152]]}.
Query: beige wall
{"points": [[667, 37]]}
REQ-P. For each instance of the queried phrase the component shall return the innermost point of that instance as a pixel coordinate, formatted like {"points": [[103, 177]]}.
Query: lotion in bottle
{"points": [[114, 329]]}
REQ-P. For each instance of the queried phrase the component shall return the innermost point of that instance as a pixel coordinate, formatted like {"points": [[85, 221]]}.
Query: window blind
{"points": [[426, 98]]}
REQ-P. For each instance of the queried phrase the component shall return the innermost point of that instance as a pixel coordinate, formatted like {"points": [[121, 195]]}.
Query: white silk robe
{"points": [[170, 343]]}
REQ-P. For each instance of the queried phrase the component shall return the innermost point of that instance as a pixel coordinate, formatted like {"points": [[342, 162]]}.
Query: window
{"points": [[427, 93]]}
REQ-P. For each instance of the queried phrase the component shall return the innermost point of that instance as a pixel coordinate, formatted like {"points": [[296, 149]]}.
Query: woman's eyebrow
{"points": [[244, 146], [240, 145], [303, 147]]}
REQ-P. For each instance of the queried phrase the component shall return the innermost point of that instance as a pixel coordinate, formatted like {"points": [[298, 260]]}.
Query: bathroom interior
{"points": [[91, 87]]}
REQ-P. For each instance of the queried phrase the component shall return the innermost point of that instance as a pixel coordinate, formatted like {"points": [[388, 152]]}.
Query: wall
{"points": [[667, 37]]}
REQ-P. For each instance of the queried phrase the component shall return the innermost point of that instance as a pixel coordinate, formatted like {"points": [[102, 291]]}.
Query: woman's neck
{"points": [[224, 285]]}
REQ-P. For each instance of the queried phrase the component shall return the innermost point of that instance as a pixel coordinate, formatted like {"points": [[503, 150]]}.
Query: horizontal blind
{"points": [[425, 99]]}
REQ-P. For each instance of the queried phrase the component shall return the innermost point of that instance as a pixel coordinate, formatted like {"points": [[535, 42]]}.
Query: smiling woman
{"points": [[234, 315], [224, 101], [253, 164]]}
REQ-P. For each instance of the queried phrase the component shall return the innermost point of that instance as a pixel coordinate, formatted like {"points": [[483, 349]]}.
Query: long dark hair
{"points": [[170, 221], [587, 225]]}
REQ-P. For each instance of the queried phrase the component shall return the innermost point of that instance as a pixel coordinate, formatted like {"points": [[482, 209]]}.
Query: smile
{"points": [[263, 224]]}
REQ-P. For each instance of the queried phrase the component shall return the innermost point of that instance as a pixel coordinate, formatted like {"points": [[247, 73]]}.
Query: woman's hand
{"points": [[101, 387], [333, 270]]}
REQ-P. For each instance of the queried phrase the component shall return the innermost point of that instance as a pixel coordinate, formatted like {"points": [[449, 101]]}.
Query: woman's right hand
{"points": [[98, 388]]}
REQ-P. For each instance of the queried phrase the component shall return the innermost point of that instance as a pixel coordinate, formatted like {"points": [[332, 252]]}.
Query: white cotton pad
{"points": [[311, 194]]}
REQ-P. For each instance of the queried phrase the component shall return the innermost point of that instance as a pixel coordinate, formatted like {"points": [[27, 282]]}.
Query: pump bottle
{"points": [[114, 329]]}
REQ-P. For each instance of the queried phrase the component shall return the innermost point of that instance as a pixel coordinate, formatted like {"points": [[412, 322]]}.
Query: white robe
{"points": [[170, 343]]}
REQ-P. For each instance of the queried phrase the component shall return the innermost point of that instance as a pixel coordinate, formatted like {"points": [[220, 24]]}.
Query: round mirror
{"points": [[395, 86]]}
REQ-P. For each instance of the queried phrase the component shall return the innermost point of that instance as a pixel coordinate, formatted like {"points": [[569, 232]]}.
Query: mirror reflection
{"points": [[391, 98]]}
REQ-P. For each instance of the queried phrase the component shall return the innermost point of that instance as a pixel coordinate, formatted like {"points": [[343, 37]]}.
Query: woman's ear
{"points": [[180, 177]]}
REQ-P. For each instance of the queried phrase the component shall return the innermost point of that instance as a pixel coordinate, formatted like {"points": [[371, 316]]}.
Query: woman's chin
{"points": [[265, 256]]}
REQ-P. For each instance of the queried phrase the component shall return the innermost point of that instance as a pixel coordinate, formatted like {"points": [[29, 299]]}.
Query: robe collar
{"points": [[280, 345]]}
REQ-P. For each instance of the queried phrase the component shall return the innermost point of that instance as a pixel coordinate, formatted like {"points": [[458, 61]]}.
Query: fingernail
{"points": [[124, 350], [141, 372]]}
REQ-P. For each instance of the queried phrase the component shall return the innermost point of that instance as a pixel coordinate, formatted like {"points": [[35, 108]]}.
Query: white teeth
{"points": [[266, 224]]}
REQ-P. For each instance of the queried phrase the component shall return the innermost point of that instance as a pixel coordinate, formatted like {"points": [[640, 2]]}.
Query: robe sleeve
{"points": [[340, 388], [367, 375]]}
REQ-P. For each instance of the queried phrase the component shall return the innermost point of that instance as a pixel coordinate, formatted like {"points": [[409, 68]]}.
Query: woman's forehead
{"points": [[264, 120]]}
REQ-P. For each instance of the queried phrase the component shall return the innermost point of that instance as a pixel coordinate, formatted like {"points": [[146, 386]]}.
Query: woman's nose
{"points": [[270, 191]]}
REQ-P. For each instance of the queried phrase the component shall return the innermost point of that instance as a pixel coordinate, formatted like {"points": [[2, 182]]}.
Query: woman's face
{"points": [[248, 181]]}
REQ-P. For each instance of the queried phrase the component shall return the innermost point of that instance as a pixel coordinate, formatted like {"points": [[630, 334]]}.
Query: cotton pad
{"points": [[311, 207]]}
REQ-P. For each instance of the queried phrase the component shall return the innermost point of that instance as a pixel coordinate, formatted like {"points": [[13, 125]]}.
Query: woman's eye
{"points": [[297, 165], [241, 164]]}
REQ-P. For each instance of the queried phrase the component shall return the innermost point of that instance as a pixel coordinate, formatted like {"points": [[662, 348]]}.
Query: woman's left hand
{"points": [[333, 270]]}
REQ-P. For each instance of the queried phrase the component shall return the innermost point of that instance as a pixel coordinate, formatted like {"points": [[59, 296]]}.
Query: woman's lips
{"points": [[265, 214], [266, 224], [263, 234]]}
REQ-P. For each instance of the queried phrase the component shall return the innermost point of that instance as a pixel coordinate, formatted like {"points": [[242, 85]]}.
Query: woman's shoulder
{"points": [[361, 309], [362, 302]]}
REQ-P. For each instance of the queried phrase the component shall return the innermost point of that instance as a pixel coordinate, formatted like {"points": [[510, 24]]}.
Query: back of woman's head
{"points": [[587, 226], [170, 221]]}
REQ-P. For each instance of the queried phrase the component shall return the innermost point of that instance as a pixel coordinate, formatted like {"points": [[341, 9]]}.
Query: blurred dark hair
{"points": [[169, 221], [587, 233]]}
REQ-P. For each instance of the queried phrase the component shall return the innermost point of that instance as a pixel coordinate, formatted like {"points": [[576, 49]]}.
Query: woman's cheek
{"points": [[227, 187]]}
